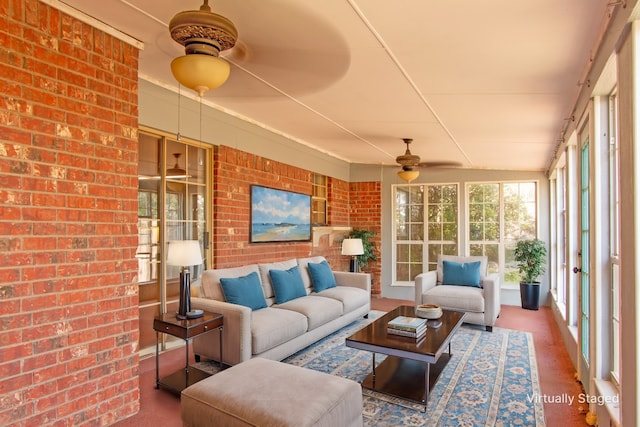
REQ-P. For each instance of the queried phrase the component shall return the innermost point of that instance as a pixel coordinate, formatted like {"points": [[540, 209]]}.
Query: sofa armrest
{"points": [[236, 332], [356, 280], [424, 282], [491, 286]]}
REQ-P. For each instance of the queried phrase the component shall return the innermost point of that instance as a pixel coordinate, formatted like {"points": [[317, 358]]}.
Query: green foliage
{"points": [[367, 245], [531, 256], [511, 277]]}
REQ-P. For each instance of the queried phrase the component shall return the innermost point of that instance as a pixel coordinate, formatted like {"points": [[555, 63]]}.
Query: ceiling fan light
{"points": [[408, 175], [204, 35], [200, 72]]}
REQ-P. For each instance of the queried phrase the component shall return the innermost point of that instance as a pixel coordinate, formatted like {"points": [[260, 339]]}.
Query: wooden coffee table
{"points": [[412, 366]]}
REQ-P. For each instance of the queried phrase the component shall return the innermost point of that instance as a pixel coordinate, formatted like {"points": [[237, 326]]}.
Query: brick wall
{"points": [[365, 213], [68, 210], [235, 171], [330, 245], [337, 201]]}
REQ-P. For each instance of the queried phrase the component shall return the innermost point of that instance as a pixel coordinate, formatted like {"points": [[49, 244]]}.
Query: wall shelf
{"points": [[318, 232]]}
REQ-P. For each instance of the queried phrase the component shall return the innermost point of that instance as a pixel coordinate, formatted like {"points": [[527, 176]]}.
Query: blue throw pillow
{"points": [[287, 284], [467, 274], [321, 276], [245, 290]]}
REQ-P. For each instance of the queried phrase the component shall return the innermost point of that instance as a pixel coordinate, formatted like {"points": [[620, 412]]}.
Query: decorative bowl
{"points": [[429, 311]]}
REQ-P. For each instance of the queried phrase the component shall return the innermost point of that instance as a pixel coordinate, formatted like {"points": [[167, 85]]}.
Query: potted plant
{"points": [[367, 246], [531, 256]]}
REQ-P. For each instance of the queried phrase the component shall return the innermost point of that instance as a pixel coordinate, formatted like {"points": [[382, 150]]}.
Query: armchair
{"points": [[482, 304]]}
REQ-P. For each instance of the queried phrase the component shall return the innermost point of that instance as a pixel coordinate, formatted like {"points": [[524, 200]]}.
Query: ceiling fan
{"points": [[215, 50], [411, 162]]}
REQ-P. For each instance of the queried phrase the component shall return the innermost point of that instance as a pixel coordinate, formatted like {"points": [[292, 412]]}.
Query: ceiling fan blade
{"points": [[440, 164]]}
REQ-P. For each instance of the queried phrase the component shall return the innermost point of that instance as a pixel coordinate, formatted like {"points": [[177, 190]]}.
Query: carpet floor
{"points": [[491, 380], [556, 371]]}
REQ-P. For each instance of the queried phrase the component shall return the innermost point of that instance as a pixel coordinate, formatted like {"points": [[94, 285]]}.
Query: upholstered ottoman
{"points": [[265, 393]]}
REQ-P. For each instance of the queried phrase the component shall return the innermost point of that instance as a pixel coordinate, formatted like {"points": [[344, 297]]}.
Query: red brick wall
{"points": [[330, 245], [365, 213], [235, 171], [68, 210], [337, 202]]}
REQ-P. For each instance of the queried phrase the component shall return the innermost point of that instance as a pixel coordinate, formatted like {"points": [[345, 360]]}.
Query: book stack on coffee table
{"points": [[413, 327]]}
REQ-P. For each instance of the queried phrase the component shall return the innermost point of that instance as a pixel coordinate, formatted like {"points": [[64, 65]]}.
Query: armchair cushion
{"points": [[465, 274], [461, 259]]}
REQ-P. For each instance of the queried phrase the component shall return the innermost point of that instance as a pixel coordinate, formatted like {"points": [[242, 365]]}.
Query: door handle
{"points": [[576, 270]]}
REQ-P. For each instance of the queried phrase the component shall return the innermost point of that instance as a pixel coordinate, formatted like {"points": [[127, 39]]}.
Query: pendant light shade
{"points": [[408, 175], [200, 72]]}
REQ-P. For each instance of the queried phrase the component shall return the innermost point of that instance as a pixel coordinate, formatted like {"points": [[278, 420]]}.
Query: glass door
{"points": [[584, 279], [173, 204]]}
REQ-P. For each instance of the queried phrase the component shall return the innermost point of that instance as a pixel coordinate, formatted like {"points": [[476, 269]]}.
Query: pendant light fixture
{"points": [[204, 35], [409, 163]]}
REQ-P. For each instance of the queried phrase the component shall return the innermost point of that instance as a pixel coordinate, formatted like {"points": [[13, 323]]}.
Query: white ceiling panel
{"points": [[483, 83]]}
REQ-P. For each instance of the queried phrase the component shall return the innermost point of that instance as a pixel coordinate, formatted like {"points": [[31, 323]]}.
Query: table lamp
{"points": [[353, 248], [185, 253]]}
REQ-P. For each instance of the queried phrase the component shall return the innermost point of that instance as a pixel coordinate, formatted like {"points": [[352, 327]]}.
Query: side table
{"points": [[186, 330]]}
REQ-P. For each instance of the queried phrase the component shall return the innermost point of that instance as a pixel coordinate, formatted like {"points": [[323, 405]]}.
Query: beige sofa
{"points": [[279, 330], [481, 304]]}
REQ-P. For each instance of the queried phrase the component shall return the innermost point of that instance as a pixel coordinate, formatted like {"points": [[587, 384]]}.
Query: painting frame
{"points": [[279, 215]]}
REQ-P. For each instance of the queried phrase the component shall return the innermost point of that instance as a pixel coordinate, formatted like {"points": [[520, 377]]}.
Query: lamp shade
{"points": [[200, 72], [352, 247], [408, 175], [184, 253]]}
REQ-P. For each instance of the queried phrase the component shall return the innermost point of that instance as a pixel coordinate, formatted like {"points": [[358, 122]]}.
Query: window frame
{"points": [[501, 243], [425, 262]]}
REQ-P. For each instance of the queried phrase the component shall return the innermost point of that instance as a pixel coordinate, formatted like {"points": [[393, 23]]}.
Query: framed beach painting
{"points": [[279, 215]]}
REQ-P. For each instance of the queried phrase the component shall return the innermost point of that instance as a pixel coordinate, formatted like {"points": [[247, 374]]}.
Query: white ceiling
{"points": [[484, 83]]}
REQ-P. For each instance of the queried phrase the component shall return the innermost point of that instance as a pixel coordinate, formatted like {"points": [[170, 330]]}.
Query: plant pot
{"points": [[530, 295]]}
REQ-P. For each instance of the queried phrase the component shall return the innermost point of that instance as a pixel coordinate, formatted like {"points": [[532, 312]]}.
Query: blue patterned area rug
{"points": [[491, 380]]}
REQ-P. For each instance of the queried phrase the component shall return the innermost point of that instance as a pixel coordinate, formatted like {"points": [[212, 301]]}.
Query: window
{"points": [[484, 221], [614, 236], [319, 200], [500, 214], [442, 220], [560, 212], [424, 228]]}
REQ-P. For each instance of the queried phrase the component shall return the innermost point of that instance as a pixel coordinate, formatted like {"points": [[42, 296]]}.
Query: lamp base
{"points": [[353, 265], [184, 303], [194, 314]]}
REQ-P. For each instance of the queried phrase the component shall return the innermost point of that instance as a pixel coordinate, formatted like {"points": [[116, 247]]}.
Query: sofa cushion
{"points": [[318, 310], [287, 284], [266, 279], [304, 269], [244, 290], [350, 297], [211, 279], [321, 276], [465, 274], [271, 327], [461, 259], [462, 298]]}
